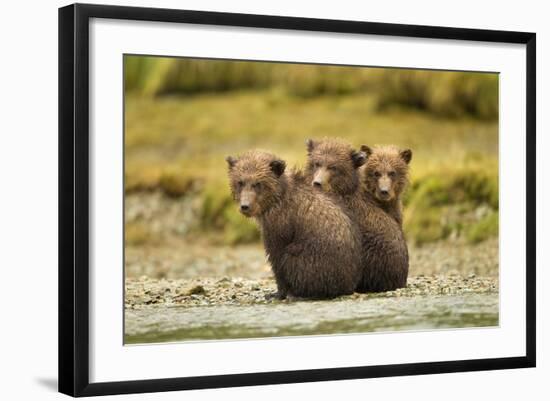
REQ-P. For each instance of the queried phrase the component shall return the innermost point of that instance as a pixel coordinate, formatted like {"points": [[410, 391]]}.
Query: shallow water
{"points": [[168, 324]]}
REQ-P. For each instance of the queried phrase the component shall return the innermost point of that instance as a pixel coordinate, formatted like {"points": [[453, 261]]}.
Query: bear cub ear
{"points": [[367, 150], [278, 167], [231, 161], [406, 155], [310, 144], [358, 158]]}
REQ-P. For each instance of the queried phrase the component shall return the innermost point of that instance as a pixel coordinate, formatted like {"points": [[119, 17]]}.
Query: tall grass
{"points": [[154, 76], [449, 94]]}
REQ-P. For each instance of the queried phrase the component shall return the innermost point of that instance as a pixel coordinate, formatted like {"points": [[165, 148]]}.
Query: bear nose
{"points": [[316, 184], [245, 208], [384, 192]]}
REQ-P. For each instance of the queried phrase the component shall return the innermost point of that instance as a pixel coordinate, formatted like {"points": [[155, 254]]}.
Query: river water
{"points": [[157, 324]]}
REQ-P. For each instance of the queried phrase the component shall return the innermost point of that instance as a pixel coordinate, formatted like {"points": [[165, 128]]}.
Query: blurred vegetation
{"points": [[450, 94], [182, 117], [453, 202], [137, 233]]}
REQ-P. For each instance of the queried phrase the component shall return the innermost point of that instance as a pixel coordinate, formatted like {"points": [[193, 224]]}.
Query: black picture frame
{"points": [[74, 198]]}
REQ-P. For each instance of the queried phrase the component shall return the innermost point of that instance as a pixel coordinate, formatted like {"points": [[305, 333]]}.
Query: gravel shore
{"points": [[145, 292]]}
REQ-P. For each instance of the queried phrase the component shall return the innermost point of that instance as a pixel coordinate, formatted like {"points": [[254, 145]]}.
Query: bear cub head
{"points": [[257, 181], [386, 171], [332, 165]]}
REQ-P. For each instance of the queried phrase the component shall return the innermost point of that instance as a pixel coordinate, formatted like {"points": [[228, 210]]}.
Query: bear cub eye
{"points": [[377, 174], [240, 184], [256, 185], [391, 174], [316, 164]]}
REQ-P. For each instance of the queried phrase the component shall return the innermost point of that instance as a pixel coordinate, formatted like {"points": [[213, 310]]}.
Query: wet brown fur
{"points": [[384, 259], [312, 245], [389, 165]]}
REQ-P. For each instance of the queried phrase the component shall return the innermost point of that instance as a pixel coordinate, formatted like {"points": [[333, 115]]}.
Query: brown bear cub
{"points": [[333, 166], [386, 175], [312, 245]]}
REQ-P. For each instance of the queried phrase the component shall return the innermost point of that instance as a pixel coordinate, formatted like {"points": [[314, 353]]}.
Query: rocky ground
{"points": [[144, 292]]}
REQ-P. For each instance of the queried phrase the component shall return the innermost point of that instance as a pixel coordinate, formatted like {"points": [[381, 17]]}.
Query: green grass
{"points": [[453, 201], [447, 94], [177, 144]]}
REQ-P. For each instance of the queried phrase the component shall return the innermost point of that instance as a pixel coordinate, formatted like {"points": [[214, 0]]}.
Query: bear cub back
{"points": [[333, 168], [313, 246]]}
